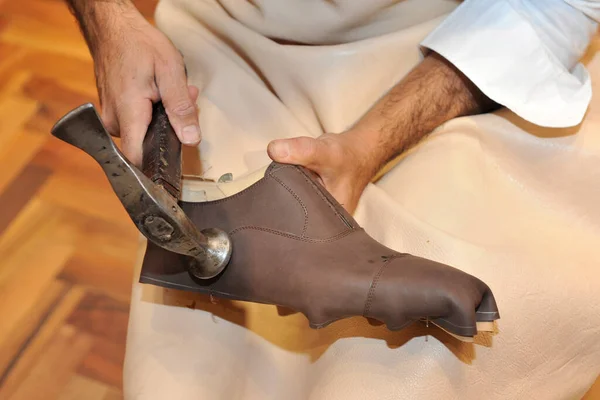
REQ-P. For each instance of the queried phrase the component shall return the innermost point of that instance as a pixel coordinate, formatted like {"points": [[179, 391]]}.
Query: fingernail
{"points": [[191, 134], [280, 149]]}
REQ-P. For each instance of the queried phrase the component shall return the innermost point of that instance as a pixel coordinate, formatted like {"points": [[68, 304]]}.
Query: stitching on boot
{"points": [[251, 189], [299, 201], [315, 188], [272, 170], [374, 283], [291, 236], [321, 195]]}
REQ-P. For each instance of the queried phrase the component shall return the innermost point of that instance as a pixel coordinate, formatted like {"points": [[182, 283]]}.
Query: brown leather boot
{"points": [[295, 246]]}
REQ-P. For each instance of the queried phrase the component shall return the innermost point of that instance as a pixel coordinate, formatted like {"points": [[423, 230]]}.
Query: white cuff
{"points": [[499, 46]]}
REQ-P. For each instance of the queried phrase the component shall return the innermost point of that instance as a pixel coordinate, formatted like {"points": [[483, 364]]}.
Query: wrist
{"points": [[102, 22], [369, 156], [431, 94]]}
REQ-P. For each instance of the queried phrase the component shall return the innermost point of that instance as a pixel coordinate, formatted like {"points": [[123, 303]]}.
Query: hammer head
{"points": [[153, 210]]}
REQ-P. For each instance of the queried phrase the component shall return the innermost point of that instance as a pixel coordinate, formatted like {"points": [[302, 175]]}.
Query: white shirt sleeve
{"points": [[523, 54]]}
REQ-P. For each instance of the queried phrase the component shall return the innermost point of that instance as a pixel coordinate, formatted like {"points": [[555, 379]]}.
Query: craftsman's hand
{"points": [[136, 65], [343, 165], [431, 94]]}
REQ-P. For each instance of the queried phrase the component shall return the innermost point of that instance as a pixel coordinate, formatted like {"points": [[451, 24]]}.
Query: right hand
{"points": [[136, 66]]}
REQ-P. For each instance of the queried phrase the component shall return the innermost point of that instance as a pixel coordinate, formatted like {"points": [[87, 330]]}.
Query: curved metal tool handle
{"points": [[155, 212], [162, 152]]}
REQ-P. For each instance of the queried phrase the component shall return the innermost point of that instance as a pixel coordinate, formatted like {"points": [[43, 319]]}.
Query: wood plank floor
{"points": [[67, 248]]}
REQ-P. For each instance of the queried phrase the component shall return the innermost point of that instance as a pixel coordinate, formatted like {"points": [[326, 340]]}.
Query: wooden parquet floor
{"points": [[67, 248]]}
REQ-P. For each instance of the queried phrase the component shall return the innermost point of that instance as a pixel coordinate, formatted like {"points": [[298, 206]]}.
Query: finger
{"points": [[109, 120], [193, 92], [305, 151], [134, 118], [180, 107]]}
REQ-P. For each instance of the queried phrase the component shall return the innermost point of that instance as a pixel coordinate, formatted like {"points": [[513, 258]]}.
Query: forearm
{"points": [[100, 19], [431, 94]]}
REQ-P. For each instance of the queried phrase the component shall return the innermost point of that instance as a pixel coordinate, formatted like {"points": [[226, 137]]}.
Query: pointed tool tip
{"points": [[70, 115]]}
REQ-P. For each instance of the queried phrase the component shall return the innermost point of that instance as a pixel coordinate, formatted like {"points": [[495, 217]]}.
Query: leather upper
{"points": [[295, 246]]}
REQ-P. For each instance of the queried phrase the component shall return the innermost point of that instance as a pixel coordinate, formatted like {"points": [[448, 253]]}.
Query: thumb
{"points": [[305, 151]]}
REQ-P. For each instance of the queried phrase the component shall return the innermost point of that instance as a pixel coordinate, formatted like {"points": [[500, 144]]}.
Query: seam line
{"points": [[298, 200]]}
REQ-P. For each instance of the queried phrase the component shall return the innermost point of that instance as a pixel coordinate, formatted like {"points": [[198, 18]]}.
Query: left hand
{"points": [[342, 164]]}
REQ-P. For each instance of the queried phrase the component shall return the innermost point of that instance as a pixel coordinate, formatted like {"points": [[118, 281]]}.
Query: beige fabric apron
{"points": [[513, 204]]}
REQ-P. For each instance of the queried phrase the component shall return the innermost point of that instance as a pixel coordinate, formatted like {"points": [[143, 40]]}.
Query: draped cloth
{"points": [[505, 200]]}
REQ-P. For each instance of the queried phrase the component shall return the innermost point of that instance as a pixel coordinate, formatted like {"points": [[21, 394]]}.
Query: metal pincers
{"points": [[150, 199]]}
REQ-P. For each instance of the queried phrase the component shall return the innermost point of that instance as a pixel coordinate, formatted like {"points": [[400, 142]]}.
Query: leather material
{"points": [[162, 152], [295, 246]]}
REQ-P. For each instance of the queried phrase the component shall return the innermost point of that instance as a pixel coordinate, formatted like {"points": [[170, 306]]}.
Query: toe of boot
{"points": [[408, 288]]}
